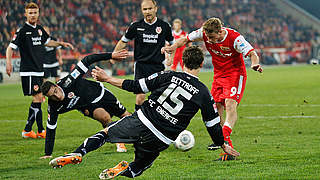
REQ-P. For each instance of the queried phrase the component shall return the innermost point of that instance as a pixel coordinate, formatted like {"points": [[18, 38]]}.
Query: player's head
{"points": [[192, 57], [47, 29], [52, 91], [32, 13], [213, 29], [177, 23], [149, 10]]}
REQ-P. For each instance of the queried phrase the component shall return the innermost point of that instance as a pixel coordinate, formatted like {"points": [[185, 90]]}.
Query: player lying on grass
{"points": [[175, 98], [89, 97]]}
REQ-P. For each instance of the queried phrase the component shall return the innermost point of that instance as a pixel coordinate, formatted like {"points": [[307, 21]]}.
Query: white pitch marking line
{"points": [[280, 105], [278, 117]]}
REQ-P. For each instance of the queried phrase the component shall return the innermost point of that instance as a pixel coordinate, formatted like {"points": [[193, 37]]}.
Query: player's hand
{"points": [[168, 49], [119, 55], [9, 68], [229, 150], [168, 59], [45, 157], [99, 74], [257, 67], [67, 45]]}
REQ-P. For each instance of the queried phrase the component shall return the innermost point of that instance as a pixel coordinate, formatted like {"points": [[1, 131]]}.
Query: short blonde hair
{"points": [[177, 21], [212, 25], [32, 5]]}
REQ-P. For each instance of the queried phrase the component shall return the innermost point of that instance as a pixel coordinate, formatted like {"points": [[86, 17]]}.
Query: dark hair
{"points": [[45, 87], [192, 57]]}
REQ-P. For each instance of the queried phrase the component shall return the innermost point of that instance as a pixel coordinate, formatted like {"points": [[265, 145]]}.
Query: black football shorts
{"points": [[31, 85]]}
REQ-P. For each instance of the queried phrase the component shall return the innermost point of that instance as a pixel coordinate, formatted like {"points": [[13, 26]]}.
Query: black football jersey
{"points": [[175, 98], [30, 40], [148, 40], [50, 59], [79, 93]]}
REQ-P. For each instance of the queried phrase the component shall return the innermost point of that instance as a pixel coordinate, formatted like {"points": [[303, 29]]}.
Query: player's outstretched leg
{"points": [[115, 171], [72, 158]]}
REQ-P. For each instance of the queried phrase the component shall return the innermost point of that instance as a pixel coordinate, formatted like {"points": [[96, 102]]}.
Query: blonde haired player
{"points": [[227, 48]]}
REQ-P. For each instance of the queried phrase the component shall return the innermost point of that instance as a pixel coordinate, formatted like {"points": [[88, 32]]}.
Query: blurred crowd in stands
{"points": [[97, 25]]}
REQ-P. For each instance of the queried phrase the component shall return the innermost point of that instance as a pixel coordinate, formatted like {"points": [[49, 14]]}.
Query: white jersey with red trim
{"points": [[227, 55]]}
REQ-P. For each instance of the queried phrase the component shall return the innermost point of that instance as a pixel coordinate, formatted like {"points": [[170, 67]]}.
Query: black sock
{"points": [[92, 143], [38, 116], [137, 107], [31, 117]]}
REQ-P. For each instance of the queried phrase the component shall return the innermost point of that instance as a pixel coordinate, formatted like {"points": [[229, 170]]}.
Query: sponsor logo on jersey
{"points": [[224, 48], [70, 95], [158, 30], [75, 74], [28, 32], [150, 38], [36, 40], [40, 32], [36, 87], [140, 29]]}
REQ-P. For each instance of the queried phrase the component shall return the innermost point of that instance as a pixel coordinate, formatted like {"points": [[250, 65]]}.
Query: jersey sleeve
{"points": [[51, 130], [45, 36], [145, 85], [16, 40], [197, 34], [242, 46], [169, 36], [83, 66], [130, 33], [211, 119]]}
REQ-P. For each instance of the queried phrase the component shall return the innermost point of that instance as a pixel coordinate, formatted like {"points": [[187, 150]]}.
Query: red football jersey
{"points": [[176, 36], [227, 55]]}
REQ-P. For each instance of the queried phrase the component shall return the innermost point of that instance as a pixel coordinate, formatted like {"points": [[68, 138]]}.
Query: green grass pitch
{"points": [[277, 134]]}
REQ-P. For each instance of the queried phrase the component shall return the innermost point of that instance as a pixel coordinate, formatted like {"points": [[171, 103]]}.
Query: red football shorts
{"points": [[230, 87]]}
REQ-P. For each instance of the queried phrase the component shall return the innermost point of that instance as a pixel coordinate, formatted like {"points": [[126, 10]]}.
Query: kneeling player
{"points": [[89, 97]]}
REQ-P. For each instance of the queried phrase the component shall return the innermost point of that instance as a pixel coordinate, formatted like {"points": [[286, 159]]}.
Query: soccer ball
{"points": [[185, 141]]}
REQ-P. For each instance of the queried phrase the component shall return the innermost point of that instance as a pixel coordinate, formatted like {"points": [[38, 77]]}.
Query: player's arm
{"points": [[255, 61], [194, 36], [83, 66], [16, 41], [9, 53], [244, 47], [143, 85], [50, 134], [59, 56], [53, 43]]}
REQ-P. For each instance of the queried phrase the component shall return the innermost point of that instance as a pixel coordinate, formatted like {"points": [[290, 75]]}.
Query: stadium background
{"points": [[283, 32], [278, 129]]}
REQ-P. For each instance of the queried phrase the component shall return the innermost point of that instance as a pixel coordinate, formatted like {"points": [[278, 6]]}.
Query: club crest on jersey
{"points": [[224, 48], [40, 32], [70, 95], [36, 87], [158, 30]]}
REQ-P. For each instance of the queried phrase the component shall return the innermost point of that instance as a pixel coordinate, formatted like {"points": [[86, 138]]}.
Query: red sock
{"points": [[226, 130]]}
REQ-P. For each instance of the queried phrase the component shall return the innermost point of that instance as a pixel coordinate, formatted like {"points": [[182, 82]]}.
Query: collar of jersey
{"points": [[151, 23], [191, 75], [34, 26], [177, 33]]}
